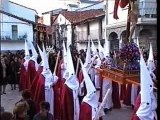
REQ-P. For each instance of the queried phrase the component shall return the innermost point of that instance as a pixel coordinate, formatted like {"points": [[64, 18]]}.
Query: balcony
{"points": [[147, 12], [7, 36], [82, 36]]}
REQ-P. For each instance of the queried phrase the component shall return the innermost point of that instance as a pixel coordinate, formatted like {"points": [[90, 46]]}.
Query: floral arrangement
{"points": [[130, 55], [129, 52]]}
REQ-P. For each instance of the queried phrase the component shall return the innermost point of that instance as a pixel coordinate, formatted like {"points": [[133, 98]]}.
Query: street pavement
{"points": [[8, 100]]}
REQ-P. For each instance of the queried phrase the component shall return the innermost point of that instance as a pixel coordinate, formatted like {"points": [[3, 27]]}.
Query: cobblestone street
{"points": [[8, 100]]}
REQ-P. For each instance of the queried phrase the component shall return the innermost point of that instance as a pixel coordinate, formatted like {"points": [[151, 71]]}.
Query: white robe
{"points": [[49, 93], [147, 111], [97, 75], [76, 105], [107, 84], [134, 90]]}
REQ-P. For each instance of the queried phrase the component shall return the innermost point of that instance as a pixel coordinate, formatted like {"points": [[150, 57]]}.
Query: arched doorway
{"points": [[144, 38], [114, 42], [123, 39]]}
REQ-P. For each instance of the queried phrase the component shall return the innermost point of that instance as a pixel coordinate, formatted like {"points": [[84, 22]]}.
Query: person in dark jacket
{"points": [[44, 112], [27, 97], [3, 74], [12, 75]]}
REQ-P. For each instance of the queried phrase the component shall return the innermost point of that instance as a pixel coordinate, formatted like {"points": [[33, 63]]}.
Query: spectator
{"points": [[44, 112], [20, 111], [12, 74], [3, 67], [6, 116], [27, 97]]}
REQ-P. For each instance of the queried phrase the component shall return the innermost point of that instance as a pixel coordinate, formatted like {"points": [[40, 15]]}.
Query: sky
{"points": [[41, 5]]}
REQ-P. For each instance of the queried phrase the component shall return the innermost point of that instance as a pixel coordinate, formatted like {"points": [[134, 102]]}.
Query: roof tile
{"points": [[79, 16]]}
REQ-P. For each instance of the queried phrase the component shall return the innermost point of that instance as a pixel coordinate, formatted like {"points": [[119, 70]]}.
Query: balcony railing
{"points": [[8, 36], [94, 34], [81, 35], [148, 9]]}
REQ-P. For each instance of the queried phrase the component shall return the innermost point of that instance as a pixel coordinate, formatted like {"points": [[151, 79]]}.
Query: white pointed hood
{"points": [[71, 79], [150, 62], [94, 50], [146, 81], [45, 64], [145, 110], [70, 66], [27, 55], [88, 55], [41, 54], [91, 97], [34, 52], [101, 50]]}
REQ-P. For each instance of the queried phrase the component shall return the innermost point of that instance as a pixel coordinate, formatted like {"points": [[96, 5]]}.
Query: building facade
{"points": [[146, 27], [17, 24]]}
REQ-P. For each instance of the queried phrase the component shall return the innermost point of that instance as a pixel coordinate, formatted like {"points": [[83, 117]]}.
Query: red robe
{"points": [[136, 106], [35, 81], [122, 4], [57, 93], [67, 104], [123, 92], [39, 91], [85, 112], [23, 78], [31, 72], [115, 95], [127, 99], [80, 79]]}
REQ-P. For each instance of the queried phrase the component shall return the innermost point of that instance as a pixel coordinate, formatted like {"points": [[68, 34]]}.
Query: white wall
{"points": [[62, 20], [23, 27], [6, 30], [94, 29], [81, 46], [81, 32], [103, 28], [122, 14], [47, 19], [16, 45], [20, 11], [82, 5], [3, 4]]}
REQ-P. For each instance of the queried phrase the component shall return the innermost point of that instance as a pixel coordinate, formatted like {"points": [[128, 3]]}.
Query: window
{"points": [[14, 32]]}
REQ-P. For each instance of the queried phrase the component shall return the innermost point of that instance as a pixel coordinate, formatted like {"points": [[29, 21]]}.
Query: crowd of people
{"points": [[9, 68], [63, 85]]}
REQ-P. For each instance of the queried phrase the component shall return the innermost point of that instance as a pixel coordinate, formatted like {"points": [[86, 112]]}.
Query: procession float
{"points": [[126, 66]]}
